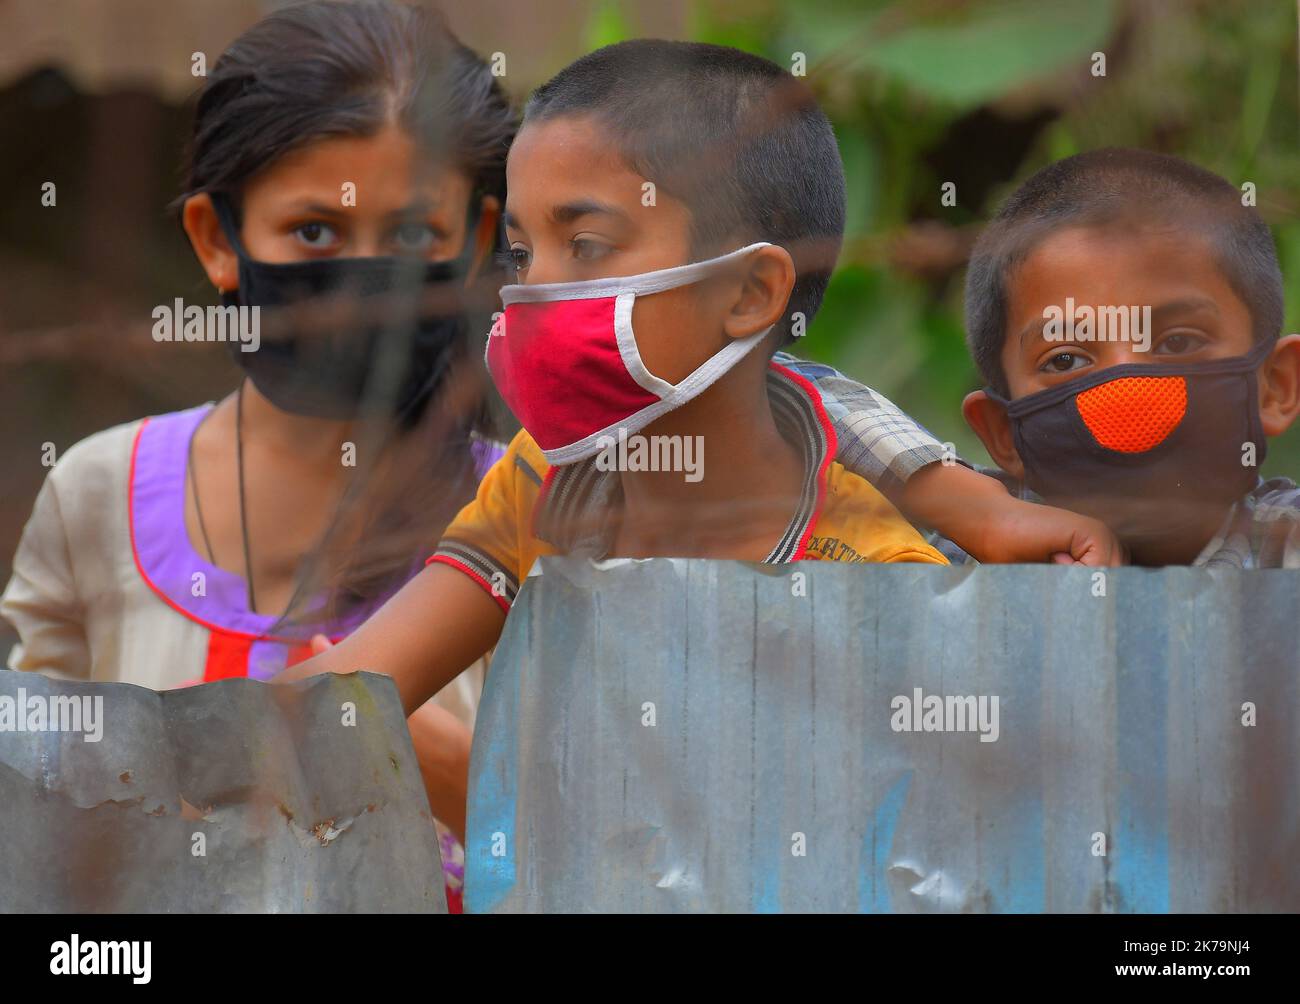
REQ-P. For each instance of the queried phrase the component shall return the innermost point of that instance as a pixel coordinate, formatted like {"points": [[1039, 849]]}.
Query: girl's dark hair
{"points": [[347, 68], [330, 68]]}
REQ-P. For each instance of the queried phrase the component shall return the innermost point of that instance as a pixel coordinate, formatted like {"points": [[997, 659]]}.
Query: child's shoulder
{"points": [[524, 457], [857, 524]]}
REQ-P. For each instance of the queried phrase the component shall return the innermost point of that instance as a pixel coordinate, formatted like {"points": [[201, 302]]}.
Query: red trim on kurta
{"points": [[832, 447], [227, 656], [444, 559]]}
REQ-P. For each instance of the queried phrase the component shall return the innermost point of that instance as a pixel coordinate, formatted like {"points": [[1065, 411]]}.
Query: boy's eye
{"points": [[1063, 362], [514, 257], [1179, 343], [414, 237], [316, 235], [586, 249]]}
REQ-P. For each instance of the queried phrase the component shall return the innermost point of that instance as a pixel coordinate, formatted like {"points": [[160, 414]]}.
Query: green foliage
{"points": [[607, 25], [966, 55]]}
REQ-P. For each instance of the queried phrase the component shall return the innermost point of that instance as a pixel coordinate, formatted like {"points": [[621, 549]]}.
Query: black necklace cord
{"points": [[198, 508], [243, 514]]}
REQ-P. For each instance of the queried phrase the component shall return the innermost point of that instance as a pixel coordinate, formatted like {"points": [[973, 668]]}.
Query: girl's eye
{"points": [[1178, 344], [585, 249], [414, 237], [316, 235], [1063, 362]]}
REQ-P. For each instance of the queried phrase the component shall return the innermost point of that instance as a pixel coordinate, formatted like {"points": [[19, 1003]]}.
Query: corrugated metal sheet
{"points": [[1122, 777], [299, 812]]}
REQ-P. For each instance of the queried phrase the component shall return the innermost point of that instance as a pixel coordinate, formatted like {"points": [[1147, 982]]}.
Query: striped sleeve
{"points": [[877, 441]]}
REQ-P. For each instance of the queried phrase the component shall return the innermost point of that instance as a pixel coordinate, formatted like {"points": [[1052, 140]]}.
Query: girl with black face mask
{"points": [[346, 173]]}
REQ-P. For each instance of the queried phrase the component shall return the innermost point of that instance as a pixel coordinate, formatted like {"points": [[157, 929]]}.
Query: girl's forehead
{"points": [[386, 168]]}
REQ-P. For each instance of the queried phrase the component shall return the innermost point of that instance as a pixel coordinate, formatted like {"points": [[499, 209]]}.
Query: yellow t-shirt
{"points": [[525, 508]]}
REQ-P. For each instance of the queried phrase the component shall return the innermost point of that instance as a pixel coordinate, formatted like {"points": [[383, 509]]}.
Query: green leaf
{"points": [[996, 47]]}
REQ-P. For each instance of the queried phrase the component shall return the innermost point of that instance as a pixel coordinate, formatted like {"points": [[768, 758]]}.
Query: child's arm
{"points": [[442, 747], [432, 629], [975, 512], [881, 443]]}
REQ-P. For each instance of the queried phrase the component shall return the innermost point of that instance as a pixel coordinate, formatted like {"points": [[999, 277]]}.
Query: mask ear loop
{"points": [[1258, 355], [1023, 491], [229, 225]]}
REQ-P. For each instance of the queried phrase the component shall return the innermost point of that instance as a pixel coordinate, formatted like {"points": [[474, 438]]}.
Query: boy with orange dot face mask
{"points": [[1158, 432]]}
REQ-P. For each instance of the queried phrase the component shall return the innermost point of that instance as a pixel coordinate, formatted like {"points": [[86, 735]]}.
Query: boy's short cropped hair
{"points": [[1118, 189], [736, 138]]}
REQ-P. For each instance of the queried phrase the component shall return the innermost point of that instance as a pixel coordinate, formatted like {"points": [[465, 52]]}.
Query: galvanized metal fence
{"points": [[232, 797], [674, 735], [686, 736]]}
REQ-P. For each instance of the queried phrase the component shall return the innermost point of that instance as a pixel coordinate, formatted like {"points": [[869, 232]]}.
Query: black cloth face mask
{"points": [[387, 364], [1144, 437]]}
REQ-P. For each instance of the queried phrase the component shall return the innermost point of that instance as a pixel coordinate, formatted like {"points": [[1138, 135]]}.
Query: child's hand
{"points": [[1018, 531], [977, 514], [424, 637]]}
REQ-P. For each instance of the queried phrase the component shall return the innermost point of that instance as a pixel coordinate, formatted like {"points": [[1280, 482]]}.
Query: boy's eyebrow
{"points": [[1185, 306], [570, 211]]}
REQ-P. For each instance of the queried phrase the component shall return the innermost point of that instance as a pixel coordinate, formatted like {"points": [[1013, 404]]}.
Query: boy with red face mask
{"points": [[672, 209]]}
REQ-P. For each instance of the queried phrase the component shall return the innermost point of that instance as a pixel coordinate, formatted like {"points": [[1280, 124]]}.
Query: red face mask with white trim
{"points": [[565, 359]]}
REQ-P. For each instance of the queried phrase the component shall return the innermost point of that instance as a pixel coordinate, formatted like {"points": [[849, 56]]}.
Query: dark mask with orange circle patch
{"points": [[1154, 434]]}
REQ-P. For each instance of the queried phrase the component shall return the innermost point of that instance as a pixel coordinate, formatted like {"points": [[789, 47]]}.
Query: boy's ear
{"points": [[988, 419], [1279, 386], [199, 218], [484, 235], [764, 292]]}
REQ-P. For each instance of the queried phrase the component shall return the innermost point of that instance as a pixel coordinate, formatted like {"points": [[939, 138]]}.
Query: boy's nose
{"points": [[1133, 414]]}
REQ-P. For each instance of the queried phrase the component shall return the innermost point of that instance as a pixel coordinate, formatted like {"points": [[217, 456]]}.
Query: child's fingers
{"points": [[1064, 558], [1101, 551], [320, 643]]}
